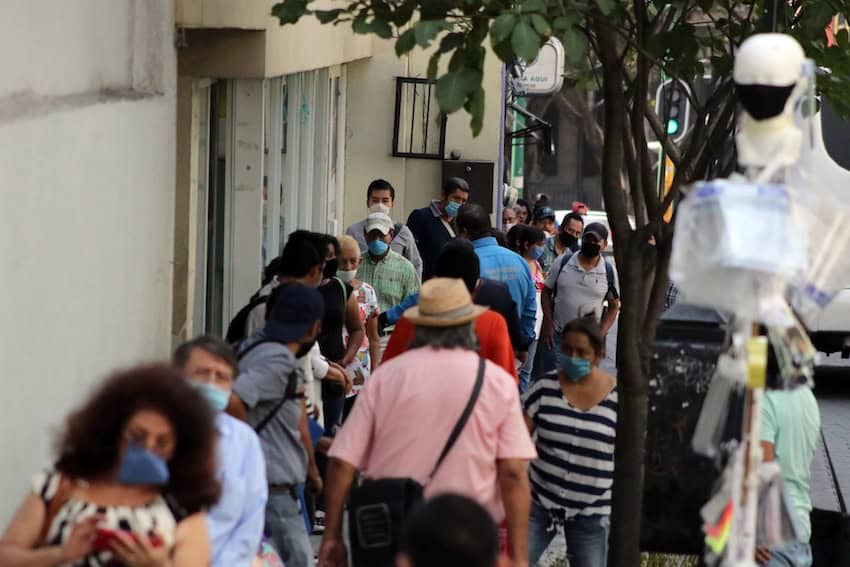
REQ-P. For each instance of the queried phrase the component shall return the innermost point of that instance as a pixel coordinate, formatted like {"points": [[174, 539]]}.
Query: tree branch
{"points": [[615, 105], [670, 147]]}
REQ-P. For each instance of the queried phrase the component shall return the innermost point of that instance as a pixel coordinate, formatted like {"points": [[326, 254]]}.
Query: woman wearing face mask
{"points": [[369, 351], [530, 243], [573, 411], [135, 469], [341, 311]]}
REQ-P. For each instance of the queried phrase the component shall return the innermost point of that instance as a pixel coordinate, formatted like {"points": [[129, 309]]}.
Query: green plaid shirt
{"points": [[392, 276]]}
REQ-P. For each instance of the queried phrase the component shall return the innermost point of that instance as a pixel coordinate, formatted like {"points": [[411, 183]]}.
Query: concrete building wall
{"points": [[369, 132], [87, 113]]}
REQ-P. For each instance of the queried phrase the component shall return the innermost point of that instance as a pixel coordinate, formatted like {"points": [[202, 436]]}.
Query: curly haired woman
{"points": [[134, 473]]}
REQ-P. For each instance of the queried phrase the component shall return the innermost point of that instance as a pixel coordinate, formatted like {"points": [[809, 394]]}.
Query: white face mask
{"points": [[510, 225], [346, 275]]}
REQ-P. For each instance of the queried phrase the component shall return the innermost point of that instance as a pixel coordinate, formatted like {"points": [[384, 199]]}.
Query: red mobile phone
{"points": [[105, 537]]}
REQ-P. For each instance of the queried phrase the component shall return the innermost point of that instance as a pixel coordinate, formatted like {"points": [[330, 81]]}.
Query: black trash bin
{"points": [[678, 482]]}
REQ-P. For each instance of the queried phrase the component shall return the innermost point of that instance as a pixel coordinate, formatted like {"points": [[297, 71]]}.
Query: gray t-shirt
{"points": [[263, 378], [580, 292]]}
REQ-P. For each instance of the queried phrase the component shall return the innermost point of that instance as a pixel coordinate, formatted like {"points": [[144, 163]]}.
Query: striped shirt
{"points": [[392, 276], [574, 471]]}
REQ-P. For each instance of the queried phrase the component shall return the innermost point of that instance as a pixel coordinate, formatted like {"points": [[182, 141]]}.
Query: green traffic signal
{"points": [[672, 127]]}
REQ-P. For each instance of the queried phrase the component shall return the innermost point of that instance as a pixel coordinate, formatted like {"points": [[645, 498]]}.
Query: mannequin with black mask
{"points": [[341, 308]]}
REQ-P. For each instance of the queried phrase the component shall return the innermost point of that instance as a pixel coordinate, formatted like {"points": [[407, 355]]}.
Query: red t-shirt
{"points": [[493, 340]]}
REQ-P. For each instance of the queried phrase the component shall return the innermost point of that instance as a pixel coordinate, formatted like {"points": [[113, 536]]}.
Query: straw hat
{"points": [[443, 302]]}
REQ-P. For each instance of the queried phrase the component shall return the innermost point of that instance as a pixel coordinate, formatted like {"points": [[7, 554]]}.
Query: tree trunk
{"points": [[631, 415]]}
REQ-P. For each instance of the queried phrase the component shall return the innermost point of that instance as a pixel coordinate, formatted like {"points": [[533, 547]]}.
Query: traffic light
{"points": [[673, 107]]}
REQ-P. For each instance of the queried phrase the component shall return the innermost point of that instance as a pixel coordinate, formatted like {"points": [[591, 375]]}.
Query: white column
{"points": [[246, 192], [273, 167]]}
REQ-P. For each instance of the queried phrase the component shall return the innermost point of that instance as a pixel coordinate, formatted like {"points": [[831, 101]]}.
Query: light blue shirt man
{"points": [[790, 427], [503, 265], [236, 523]]}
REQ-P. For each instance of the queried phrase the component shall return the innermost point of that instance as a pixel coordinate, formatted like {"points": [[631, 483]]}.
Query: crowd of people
{"points": [[243, 446], [438, 360]]}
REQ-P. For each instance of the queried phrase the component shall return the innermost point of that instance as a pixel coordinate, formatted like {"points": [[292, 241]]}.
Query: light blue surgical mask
{"points": [[378, 247], [537, 252], [574, 368], [452, 208], [141, 467], [217, 398]]}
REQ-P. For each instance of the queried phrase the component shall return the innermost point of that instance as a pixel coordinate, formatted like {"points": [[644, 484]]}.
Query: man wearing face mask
{"points": [[380, 197], [302, 261], [577, 286], [433, 225], [565, 242], [391, 275], [271, 388], [235, 523]]}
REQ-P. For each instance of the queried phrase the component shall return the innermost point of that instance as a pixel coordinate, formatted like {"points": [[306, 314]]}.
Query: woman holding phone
{"points": [[135, 470]]}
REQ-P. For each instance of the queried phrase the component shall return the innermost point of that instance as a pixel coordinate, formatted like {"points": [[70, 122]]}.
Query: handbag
{"points": [[378, 508]]}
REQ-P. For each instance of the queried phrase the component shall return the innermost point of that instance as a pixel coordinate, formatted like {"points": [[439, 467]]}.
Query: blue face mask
{"points": [[537, 252], [217, 398], [378, 247], [451, 208], [574, 368], [139, 466]]}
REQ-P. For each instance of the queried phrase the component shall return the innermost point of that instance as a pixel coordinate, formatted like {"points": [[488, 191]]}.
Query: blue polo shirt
{"points": [[505, 266]]}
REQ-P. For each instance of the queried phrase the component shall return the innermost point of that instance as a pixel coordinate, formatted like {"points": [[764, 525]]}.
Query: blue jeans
{"points": [[525, 371], [586, 538], [797, 554], [287, 532], [545, 358]]}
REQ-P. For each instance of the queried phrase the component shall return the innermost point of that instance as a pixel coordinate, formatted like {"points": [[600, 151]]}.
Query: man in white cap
{"points": [[400, 425], [388, 272], [392, 275]]}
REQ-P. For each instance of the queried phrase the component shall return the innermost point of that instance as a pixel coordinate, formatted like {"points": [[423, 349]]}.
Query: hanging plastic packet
{"points": [[794, 355], [737, 245], [776, 526], [723, 398], [718, 515]]}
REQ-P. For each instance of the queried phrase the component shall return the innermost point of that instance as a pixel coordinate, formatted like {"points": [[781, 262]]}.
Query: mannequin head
{"points": [[769, 77]]}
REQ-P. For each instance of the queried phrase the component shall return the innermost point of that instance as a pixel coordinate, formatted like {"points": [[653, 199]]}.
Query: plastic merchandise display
{"points": [[826, 184], [737, 245]]}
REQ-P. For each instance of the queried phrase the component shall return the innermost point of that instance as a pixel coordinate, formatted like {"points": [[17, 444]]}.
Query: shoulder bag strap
{"points": [[566, 258], [461, 423], [289, 394]]}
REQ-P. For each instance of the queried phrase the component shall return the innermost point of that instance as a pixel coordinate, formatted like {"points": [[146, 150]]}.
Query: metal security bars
{"points": [[419, 129]]}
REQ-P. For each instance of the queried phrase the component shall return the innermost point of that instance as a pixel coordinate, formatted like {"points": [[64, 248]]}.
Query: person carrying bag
{"points": [[379, 508]]}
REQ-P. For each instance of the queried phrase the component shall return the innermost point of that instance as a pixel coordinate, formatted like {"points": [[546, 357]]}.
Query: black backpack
{"points": [[236, 329]]}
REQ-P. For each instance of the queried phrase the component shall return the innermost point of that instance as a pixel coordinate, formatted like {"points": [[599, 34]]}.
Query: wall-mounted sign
{"points": [[544, 75]]}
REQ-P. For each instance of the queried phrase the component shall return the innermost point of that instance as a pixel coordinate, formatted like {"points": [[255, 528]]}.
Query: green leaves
{"points": [[525, 41], [575, 46], [290, 11], [606, 6], [475, 107], [328, 16], [541, 25], [502, 27], [379, 27], [528, 6], [454, 87], [405, 42], [426, 30]]}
